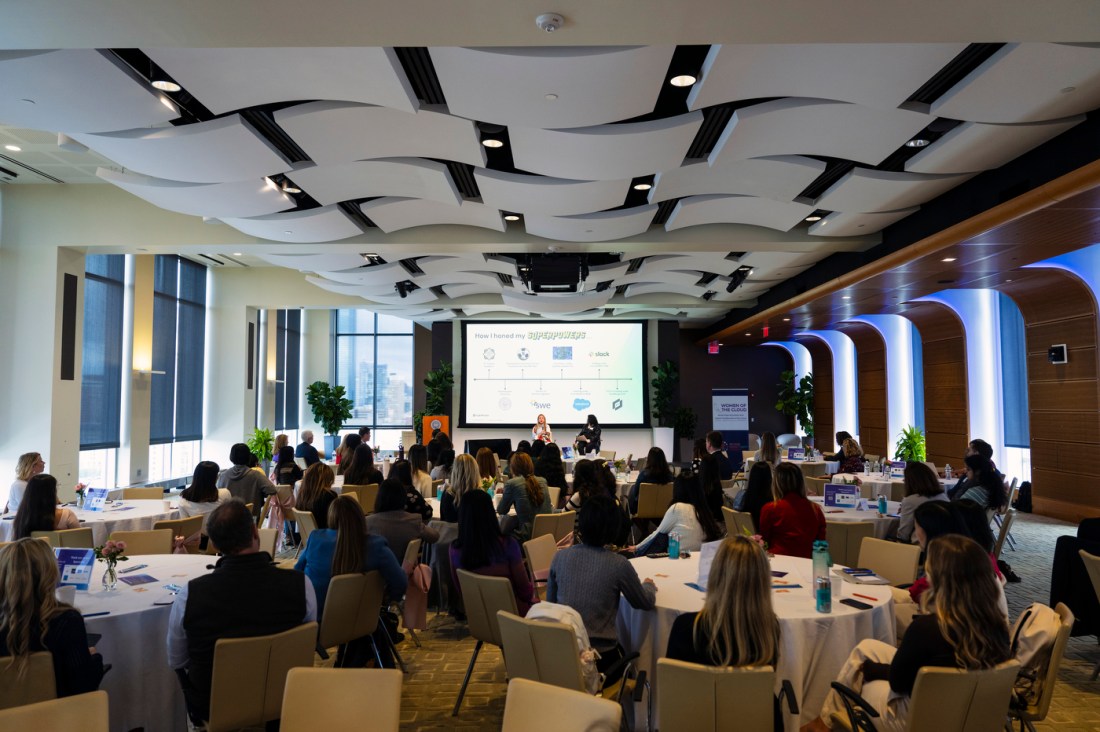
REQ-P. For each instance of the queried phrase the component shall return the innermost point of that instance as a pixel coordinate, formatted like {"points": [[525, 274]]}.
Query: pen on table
{"points": [[865, 597], [133, 569], [96, 615]]}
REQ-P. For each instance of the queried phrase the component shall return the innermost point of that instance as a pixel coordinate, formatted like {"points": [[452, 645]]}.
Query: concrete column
{"points": [[137, 379]]}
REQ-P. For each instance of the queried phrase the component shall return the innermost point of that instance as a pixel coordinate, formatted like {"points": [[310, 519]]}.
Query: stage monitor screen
{"points": [[512, 371]]}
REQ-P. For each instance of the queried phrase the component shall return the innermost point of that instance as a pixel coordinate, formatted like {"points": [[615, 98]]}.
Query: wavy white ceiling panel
{"points": [[337, 287], [840, 223], [474, 261], [327, 223], [338, 132], [671, 288], [475, 310], [872, 191], [872, 74], [463, 289], [696, 261], [549, 196], [782, 177], [602, 226], [607, 152], [416, 297], [319, 262], [699, 210], [509, 86], [381, 274], [394, 214], [227, 79], [1027, 82], [656, 312], [815, 127], [685, 279], [974, 146], [218, 151], [405, 177], [217, 200], [74, 90], [554, 303]]}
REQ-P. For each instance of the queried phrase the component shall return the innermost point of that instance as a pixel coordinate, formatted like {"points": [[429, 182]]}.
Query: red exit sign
{"points": [[712, 347]]}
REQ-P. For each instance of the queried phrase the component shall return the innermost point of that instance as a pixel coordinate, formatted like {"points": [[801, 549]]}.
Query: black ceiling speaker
{"points": [[1058, 354]]}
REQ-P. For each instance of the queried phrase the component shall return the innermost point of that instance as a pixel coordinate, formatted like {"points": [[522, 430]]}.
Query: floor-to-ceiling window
{"points": [[101, 370]]}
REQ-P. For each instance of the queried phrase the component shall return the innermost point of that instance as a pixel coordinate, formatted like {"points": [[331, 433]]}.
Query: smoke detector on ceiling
{"points": [[549, 22]]}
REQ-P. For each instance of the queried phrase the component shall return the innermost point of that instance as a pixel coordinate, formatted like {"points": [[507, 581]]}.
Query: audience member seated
{"points": [[32, 620], [393, 523], [588, 439], [316, 494], [792, 523], [536, 450], [465, 477], [711, 482], [590, 579], [439, 442], [656, 470], [737, 625], [921, 486], [550, 468], [39, 511], [852, 460], [418, 470], [839, 454], [984, 485], [251, 486], [29, 465], [245, 596], [281, 441], [966, 631], [698, 450], [585, 484], [527, 493], [769, 450], [344, 453], [758, 492], [360, 468], [525, 447], [974, 447], [481, 548], [487, 464], [306, 450], [688, 515], [442, 471], [203, 495], [286, 470], [714, 447], [401, 471]]}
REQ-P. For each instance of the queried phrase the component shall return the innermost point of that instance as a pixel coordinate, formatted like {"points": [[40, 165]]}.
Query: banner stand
{"points": [[730, 416]]}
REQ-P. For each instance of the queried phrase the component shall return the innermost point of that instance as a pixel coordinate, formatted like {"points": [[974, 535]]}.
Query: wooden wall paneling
{"points": [[871, 378], [824, 417], [946, 400], [1063, 400]]}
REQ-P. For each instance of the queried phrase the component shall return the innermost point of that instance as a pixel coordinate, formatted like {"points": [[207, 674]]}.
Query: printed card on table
{"points": [[706, 558], [897, 470], [75, 566], [94, 499], [795, 453], [840, 495]]}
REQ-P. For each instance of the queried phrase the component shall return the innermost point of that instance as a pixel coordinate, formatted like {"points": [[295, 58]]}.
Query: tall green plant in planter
{"points": [[437, 389], [330, 409], [911, 445], [261, 443], [797, 401], [665, 383]]}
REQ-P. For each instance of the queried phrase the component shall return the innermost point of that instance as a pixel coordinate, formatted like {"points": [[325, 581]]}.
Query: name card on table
{"points": [[839, 495], [75, 566], [567, 452], [897, 470], [95, 499], [796, 453], [706, 558]]}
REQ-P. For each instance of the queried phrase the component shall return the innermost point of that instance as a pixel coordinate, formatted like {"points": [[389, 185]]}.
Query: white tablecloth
{"points": [[885, 526], [126, 516], [144, 691], [813, 646], [893, 488]]}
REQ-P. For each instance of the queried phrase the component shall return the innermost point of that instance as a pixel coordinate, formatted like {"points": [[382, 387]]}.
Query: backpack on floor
{"points": [[1033, 637], [1023, 498], [558, 613]]}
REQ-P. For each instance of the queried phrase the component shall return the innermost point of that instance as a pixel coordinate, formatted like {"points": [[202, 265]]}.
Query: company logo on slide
{"points": [[617, 404], [539, 405], [598, 354], [581, 404], [489, 354], [523, 354], [563, 353], [505, 403]]}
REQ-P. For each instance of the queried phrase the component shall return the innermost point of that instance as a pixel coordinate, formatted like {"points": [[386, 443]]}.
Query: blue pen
{"points": [[133, 569], [96, 615]]}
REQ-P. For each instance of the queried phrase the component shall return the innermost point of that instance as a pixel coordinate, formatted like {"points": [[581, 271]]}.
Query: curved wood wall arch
{"points": [[1063, 400], [871, 379], [822, 368], [943, 345]]}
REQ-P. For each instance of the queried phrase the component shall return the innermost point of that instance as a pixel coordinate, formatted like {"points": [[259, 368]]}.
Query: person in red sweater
{"points": [[791, 524]]}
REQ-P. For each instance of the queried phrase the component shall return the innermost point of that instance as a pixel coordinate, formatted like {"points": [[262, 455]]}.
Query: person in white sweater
{"points": [[202, 496], [688, 515]]}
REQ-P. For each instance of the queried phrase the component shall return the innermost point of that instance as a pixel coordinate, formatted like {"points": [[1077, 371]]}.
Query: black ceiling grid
{"points": [[135, 62], [420, 71], [951, 74]]}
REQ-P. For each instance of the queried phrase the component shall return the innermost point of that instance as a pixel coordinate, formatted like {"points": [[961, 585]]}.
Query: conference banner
{"points": [[730, 415]]}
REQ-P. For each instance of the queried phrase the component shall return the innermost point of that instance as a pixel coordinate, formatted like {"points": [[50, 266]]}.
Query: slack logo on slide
{"points": [[581, 404], [617, 404]]}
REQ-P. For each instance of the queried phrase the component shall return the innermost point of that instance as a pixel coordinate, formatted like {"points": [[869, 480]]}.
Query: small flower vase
{"points": [[80, 499], [110, 577]]}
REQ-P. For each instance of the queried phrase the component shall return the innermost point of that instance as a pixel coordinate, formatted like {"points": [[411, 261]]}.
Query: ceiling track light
{"points": [[289, 187], [917, 142], [165, 85], [738, 276], [683, 80]]}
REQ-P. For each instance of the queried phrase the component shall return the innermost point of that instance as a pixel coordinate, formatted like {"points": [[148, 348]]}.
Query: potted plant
{"points": [[798, 401], [437, 388], [665, 383], [911, 445], [261, 443], [330, 410], [684, 423]]}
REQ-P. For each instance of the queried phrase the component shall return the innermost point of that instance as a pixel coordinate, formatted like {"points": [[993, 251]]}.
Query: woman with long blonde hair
{"points": [[29, 465], [316, 494], [32, 620], [465, 477], [769, 450], [526, 492]]}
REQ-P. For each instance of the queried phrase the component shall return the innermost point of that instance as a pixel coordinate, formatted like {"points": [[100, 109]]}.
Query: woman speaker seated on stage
{"points": [[541, 431], [588, 440]]}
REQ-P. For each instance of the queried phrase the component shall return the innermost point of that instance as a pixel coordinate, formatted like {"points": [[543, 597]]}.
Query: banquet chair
{"points": [[845, 539], [525, 709], [70, 538], [608, 455], [412, 559], [333, 699], [555, 495], [943, 700], [815, 485], [1038, 712], [544, 524], [37, 684], [539, 552], [1007, 520], [85, 712], [268, 539], [185, 527], [307, 522], [352, 607], [250, 674], [754, 442], [563, 527], [890, 559], [653, 500], [738, 523], [368, 496], [932, 465], [152, 541], [788, 440], [482, 597], [640, 465], [155, 493], [695, 698]]}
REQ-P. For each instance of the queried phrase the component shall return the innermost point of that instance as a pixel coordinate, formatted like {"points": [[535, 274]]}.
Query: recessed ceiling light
{"points": [[511, 217], [786, 320], [683, 80], [288, 188], [643, 186], [551, 97], [13, 148], [1068, 89], [168, 103], [917, 142], [490, 142], [813, 218], [948, 259], [168, 86], [1008, 280], [287, 231], [748, 334], [238, 254], [845, 297]]}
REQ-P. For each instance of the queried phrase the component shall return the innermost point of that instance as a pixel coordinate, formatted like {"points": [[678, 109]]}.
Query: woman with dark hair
{"points": [[286, 471], [588, 439], [769, 450], [590, 579], [316, 494], [921, 486], [586, 484], [402, 472], [203, 495], [973, 518], [523, 446], [689, 515], [345, 451], [251, 486], [791, 524], [442, 471], [418, 470], [393, 523], [656, 470], [536, 449], [710, 479], [550, 468], [758, 492], [38, 511], [482, 549], [986, 487], [360, 468], [840, 438], [437, 444], [698, 450], [486, 464], [527, 493]]}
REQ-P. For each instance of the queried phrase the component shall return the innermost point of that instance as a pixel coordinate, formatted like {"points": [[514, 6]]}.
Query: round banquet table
{"points": [[118, 516], [885, 526], [813, 646], [893, 488], [623, 483], [809, 468], [144, 691]]}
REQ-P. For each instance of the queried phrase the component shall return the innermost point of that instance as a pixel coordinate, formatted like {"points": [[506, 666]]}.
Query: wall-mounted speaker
{"points": [[1058, 354]]}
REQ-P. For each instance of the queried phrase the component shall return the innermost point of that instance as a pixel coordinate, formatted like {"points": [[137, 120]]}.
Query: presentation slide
{"points": [[514, 371]]}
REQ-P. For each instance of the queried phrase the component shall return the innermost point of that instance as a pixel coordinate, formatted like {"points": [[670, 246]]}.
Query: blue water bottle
{"points": [[674, 545], [822, 585], [882, 508]]}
